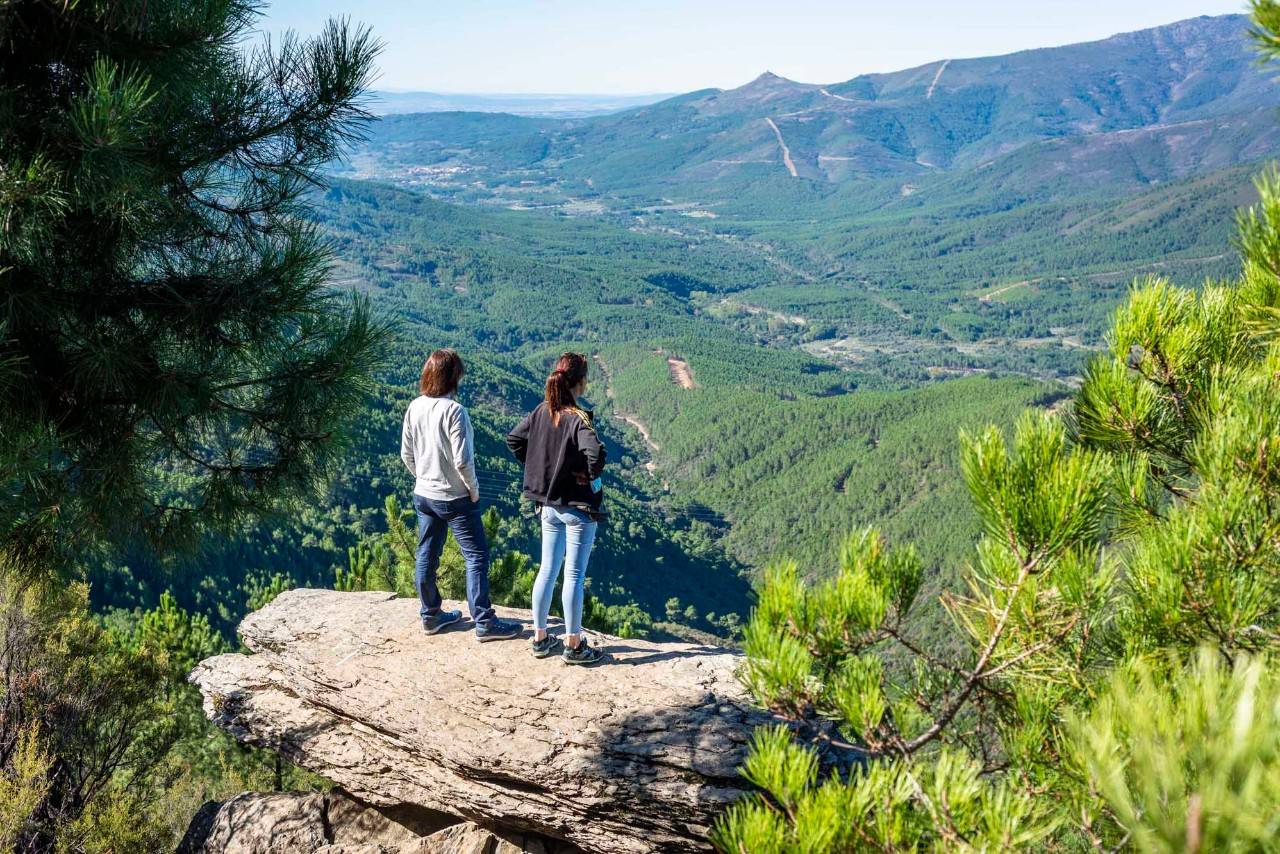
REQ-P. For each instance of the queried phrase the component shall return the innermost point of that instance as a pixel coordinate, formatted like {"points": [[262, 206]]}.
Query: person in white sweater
{"points": [[438, 447]]}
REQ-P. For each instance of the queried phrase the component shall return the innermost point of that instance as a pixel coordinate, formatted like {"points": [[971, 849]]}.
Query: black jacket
{"points": [[560, 460]]}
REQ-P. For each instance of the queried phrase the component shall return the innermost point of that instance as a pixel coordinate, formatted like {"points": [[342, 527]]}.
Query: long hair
{"points": [[441, 374], [570, 370]]}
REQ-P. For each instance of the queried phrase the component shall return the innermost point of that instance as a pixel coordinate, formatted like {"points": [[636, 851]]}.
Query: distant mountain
{"points": [[564, 106], [1126, 112], [949, 114]]}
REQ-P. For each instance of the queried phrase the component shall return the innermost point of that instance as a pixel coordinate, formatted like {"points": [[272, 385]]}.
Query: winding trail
{"points": [[650, 466], [786, 152], [936, 78]]}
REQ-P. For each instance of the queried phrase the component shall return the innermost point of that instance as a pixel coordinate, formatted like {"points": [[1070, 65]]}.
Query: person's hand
{"points": [[582, 478], [475, 498]]}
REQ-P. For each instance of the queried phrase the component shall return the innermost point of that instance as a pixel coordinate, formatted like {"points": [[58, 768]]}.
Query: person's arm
{"points": [[518, 439], [462, 442], [592, 448], [406, 444]]}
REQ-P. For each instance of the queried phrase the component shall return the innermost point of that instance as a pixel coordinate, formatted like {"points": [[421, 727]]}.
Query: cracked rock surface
{"points": [[335, 823], [638, 754]]}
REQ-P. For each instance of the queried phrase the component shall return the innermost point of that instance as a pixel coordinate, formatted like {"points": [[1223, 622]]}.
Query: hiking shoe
{"points": [[549, 645], [433, 623], [498, 630], [583, 653]]}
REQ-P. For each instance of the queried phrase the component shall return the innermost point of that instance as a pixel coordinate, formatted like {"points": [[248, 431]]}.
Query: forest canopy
{"points": [[1119, 619]]}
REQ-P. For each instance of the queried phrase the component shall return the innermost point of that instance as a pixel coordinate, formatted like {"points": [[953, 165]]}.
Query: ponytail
{"points": [[570, 370]]}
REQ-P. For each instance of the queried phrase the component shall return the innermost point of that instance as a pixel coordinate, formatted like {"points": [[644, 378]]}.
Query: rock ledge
{"points": [[637, 755]]}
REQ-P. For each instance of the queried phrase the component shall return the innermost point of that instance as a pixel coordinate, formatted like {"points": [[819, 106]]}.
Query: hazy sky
{"points": [[642, 46]]}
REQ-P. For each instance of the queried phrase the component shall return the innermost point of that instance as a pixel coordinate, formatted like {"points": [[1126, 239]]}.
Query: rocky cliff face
{"points": [[639, 754]]}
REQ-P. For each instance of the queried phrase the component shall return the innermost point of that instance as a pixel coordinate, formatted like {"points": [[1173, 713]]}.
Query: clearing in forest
{"points": [[1004, 289], [680, 373]]}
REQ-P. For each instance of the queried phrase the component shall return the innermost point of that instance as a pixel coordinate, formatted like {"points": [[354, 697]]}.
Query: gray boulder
{"points": [[639, 754]]}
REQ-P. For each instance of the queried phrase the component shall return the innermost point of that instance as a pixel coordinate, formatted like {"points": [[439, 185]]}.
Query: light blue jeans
{"points": [[567, 535]]}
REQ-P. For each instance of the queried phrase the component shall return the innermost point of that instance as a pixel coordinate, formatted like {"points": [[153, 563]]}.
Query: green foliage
{"points": [[829, 459], [511, 577], [625, 621], [84, 717], [369, 567], [1117, 687], [104, 746], [261, 590], [673, 609], [807, 645], [881, 808], [1187, 757], [172, 358], [24, 785]]}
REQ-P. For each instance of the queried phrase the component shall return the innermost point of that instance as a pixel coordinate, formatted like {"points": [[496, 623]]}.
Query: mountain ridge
{"points": [[1172, 27], [952, 114]]}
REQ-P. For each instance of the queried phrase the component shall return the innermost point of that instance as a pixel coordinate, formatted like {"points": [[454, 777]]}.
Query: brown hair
{"points": [[441, 374], [570, 370]]}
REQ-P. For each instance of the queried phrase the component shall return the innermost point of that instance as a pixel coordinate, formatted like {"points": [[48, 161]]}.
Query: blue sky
{"points": [[642, 46]]}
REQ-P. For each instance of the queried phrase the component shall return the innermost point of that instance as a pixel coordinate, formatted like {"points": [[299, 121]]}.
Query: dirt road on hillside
{"points": [[650, 466], [786, 152], [837, 97], [934, 85]]}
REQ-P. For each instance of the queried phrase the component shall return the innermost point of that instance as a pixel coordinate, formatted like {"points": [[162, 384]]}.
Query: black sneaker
{"points": [[433, 623], [583, 653], [548, 646], [498, 630]]}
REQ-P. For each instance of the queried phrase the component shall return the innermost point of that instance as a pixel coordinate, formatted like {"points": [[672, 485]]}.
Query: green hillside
{"points": [[980, 216], [511, 290]]}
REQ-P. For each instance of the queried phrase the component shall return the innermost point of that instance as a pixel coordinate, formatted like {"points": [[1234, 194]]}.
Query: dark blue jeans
{"points": [[435, 520]]}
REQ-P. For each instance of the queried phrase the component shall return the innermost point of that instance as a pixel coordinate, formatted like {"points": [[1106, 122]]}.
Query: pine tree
{"points": [[1121, 617], [171, 357]]}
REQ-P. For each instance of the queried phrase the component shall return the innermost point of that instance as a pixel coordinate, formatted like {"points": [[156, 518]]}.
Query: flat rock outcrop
{"points": [[638, 754]]}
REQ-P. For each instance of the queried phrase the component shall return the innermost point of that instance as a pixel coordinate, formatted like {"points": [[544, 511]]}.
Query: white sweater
{"points": [[438, 448]]}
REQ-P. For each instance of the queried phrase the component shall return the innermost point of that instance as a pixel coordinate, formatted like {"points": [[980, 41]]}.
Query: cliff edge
{"points": [[638, 754]]}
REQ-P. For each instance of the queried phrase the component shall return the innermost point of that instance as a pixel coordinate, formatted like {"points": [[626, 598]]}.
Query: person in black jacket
{"points": [[563, 459]]}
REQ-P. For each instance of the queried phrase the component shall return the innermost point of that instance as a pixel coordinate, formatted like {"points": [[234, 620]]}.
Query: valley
{"points": [[793, 340], [884, 202]]}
